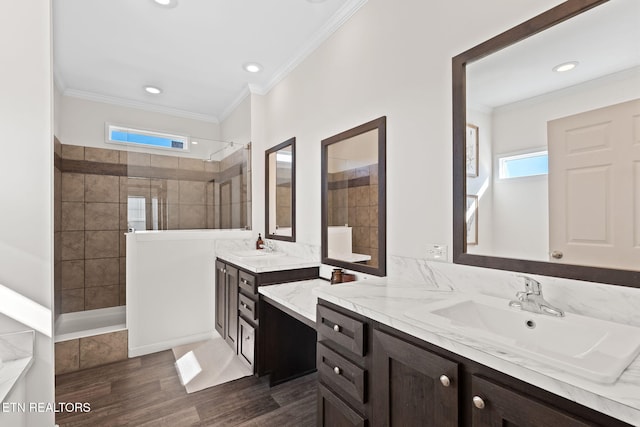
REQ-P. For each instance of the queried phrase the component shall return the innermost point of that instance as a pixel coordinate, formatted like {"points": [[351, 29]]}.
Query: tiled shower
{"points": [[353, 201], [100, 194]]}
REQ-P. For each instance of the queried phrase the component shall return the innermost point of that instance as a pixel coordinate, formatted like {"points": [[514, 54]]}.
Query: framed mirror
{"points": [[280, 191], [354, 198], [546, 146]]}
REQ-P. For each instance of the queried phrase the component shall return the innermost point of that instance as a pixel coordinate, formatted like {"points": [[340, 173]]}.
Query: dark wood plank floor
{"points": [[146, 391]]}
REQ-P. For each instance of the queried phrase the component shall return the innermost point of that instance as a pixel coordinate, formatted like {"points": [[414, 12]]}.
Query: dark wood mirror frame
{"points": [[548, 19], [379, 124], [292, 143]]}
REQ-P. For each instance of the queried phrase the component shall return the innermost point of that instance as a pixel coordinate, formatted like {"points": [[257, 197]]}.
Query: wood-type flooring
{"points": [[146, 391]]}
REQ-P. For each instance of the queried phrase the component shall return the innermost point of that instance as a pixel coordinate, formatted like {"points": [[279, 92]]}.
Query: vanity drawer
{"points": [[247, 307], [341, 374], [341, 329], [247, 283]]}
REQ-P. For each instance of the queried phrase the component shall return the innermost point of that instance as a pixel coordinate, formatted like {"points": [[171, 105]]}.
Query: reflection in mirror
{"points": [[556, 153], [280, 191], [353, 190]]}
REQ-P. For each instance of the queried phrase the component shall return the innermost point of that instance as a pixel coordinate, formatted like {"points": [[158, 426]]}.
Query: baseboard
{"points": [[169, 344]]}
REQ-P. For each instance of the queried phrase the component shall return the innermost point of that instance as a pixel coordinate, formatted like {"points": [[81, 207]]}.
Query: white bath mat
{"points": [[208, 363]]}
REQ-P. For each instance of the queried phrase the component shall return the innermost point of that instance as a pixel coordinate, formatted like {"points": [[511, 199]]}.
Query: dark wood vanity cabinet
{"points": [[226, 294], [343, 363], [412, 386], [497, 405], [373, 375], [237, 317]]}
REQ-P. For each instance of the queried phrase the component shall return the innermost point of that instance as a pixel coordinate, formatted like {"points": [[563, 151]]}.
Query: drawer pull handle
{"points": [[336, 370], [445, 381], [244, 281], [336, 328], [478, 402], [245, 306]]}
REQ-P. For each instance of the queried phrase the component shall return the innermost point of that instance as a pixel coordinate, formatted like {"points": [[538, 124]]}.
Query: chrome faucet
{"points": [[533, 301], [268, 246]]}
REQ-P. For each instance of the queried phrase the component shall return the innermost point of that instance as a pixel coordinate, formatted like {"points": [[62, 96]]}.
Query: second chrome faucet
{"points": [[532, 300]]}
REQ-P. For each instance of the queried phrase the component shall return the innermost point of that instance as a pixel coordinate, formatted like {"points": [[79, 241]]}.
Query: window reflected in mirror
{"points": [[551, 156]]}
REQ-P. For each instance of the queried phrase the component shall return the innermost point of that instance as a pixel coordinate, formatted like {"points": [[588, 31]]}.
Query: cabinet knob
{"points": [[336, 328], [445, 381], [478, 402], [224, 270], [336, 370], [247, 338]]}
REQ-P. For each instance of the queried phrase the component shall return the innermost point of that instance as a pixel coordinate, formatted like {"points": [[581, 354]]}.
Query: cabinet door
{"points": [[231, 319], [497, 406], [333, 412], [246, 342], [412, 386], [221, 298]]}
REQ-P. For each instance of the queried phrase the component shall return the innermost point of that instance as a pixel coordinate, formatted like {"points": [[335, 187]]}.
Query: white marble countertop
{"points": [[273, 262], [386, 300], [296, 296], [16, 356]]}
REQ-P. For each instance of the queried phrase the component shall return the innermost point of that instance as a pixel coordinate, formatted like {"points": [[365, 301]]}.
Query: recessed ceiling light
{"points": [[252, 67], [316, 1], [194, 142], [566, 66], [166, 3], [153, 90]]}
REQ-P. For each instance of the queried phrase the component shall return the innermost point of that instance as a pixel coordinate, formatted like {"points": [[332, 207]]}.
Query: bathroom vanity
{"points": [[378, 366], [238, 318]]}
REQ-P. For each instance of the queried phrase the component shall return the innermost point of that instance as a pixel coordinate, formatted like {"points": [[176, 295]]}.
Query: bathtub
{"points": [[81, 324]]}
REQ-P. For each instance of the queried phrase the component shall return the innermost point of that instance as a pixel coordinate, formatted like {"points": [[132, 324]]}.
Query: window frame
{"points": [[109, 127], [501, 159]]}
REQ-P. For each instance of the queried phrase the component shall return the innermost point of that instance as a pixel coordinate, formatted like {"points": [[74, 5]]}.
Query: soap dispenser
{"points": [[259, 242]]}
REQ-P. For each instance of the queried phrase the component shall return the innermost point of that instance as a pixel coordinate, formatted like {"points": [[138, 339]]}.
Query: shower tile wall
{"points": [[96, 188], [353, 200]]}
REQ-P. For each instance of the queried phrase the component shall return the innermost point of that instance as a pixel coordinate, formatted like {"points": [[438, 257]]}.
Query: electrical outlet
{"points": [[436, 252]]}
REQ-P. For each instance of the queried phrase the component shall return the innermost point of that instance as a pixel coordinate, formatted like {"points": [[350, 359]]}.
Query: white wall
{"points": [[393, 61], [170, 287], [482, 185], [82, 122], [26, 173], [237, 126]]}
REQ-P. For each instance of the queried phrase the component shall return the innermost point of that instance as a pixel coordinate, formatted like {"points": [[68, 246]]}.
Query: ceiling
{"points": [[108, 50], [604, 40]]}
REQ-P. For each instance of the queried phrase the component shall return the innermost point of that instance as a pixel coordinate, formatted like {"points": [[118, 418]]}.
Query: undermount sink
{"points": [[595, 349], [251, 253]]}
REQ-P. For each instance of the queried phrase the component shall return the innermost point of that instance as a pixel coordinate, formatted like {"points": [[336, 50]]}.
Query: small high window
{"points": [[523, 165], [145, 138]]}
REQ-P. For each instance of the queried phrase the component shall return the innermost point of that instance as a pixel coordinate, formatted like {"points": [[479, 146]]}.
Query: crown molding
{"points": [[235, 103], [91, 96], [336, 21]]}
